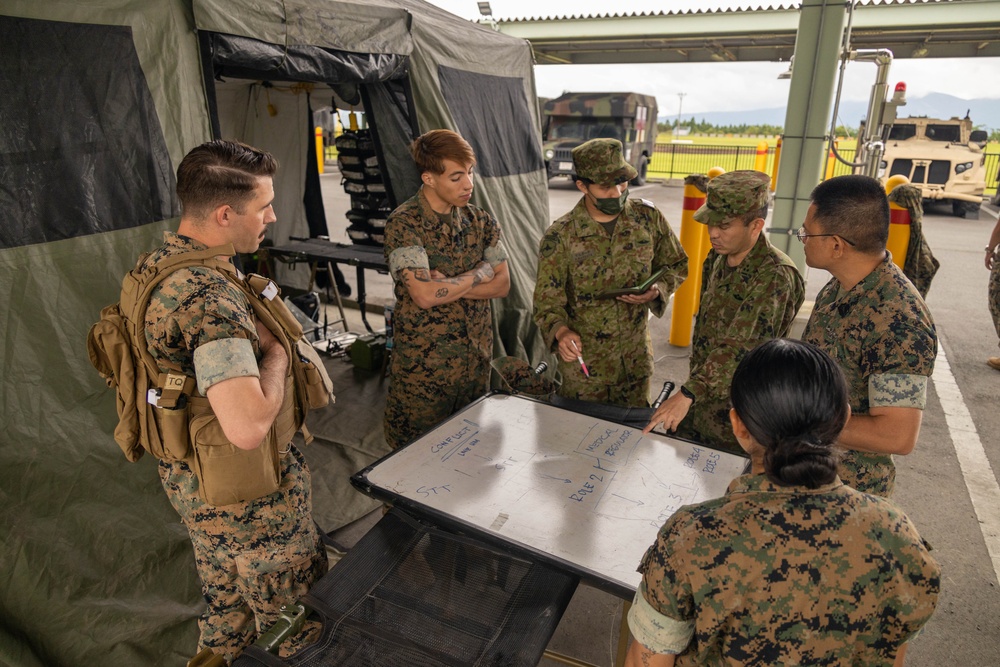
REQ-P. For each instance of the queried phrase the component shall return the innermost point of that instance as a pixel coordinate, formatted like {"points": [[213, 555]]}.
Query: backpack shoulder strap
{"points": [[137, 287]]}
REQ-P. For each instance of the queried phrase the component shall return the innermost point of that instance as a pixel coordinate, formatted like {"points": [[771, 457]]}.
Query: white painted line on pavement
{"points": [[976, 469]]}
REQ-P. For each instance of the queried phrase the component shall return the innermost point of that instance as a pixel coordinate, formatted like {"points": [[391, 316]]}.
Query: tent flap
{"points": [[345, 26], [247, 58]]}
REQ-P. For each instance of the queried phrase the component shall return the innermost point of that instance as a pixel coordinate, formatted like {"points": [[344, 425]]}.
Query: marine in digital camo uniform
{"points": [[751, 292], [871, 320], [790, 567], [447, 260], [254, 556], [607, 241]]}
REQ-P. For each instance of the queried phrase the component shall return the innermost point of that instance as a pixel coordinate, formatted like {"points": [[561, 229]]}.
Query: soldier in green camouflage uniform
{"points": [[993, 266], [791, 566], [447, 260], [254, 556], [606, 242], [751, 292], [871, 319]]}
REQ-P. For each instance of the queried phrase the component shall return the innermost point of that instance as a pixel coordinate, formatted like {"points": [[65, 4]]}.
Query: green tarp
{"points": [[102, 98]]}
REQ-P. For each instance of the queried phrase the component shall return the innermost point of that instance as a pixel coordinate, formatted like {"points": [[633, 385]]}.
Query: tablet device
{"points": [[637, 289]]}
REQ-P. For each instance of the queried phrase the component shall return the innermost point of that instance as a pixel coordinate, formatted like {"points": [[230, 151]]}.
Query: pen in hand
{"points": [[580, 359]]}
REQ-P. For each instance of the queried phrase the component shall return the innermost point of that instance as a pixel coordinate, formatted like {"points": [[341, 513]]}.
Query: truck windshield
{"points": [[902, 132], [950, 133], [585, 128]]}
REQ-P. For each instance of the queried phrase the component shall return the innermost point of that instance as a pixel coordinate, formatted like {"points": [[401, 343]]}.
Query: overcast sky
{"points": [[723, 86]]}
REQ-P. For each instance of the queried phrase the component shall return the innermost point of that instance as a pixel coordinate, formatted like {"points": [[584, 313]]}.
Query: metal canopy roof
{"points": [[913, 28]]}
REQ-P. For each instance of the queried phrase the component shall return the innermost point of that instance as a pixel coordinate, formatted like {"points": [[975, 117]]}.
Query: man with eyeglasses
{"points": [[607, 242], [751, 292], [870, 318]]}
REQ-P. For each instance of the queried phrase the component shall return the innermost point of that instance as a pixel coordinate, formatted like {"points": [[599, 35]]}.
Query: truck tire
{"points": [[640, 177], [965, 209]]}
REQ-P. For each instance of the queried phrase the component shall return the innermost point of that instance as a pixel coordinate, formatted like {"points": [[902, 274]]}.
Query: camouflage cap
{"points": [[733, 194], [601, 161]]}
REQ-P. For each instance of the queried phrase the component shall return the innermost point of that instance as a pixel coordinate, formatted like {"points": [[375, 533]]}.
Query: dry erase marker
{"points": [[580, 359]]}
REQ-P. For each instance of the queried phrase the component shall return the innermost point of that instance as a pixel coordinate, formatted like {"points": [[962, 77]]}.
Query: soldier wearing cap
{"points": [[606, 242], [751, 292]]}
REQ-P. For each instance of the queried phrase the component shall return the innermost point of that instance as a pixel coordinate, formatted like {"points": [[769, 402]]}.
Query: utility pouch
{"points": [[226, 473], [319, 386], [314, 384], [168, 402]]}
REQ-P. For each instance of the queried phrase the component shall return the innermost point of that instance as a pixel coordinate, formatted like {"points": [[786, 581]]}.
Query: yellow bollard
{"points": [[760, 162], [320, 157], [774, 167], [352, 120], [705, 246], [831, 162], [899, 224], [682, 316]]}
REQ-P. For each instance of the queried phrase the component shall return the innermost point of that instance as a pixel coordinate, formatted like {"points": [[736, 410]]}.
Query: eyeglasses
{"points": [[801, 235]]}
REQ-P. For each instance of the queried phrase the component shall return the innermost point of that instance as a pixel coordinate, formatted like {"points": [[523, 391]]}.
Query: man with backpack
{"points": [[226, 400]]}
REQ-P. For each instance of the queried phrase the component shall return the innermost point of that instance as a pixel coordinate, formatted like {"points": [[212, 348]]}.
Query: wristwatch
{"points": [[687, 393]]}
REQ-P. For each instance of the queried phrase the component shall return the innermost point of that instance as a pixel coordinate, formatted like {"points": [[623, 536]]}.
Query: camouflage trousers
{"points": [[629, 394], [414, 402], [252, 557], [994, 294]]}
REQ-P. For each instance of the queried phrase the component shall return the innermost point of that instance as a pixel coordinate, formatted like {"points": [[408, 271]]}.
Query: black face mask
{"points": [[611, 205]]}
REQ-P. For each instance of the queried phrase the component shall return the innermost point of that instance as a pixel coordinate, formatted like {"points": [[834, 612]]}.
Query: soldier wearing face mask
{"points": [[606, 242]]}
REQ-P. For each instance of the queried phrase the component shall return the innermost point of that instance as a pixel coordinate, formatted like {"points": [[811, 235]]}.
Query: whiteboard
{"points": [[585, 491]]}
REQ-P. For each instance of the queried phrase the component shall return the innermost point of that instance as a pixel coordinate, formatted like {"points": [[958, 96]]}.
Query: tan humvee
{"points": [[943, 157]]}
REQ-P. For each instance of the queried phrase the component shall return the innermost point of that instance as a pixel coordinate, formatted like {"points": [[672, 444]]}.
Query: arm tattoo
{"points": [[423, 275], [441, 293]]}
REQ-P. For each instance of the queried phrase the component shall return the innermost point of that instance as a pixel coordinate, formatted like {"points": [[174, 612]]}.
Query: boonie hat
{"points": [[601, 161], [733, 194]]}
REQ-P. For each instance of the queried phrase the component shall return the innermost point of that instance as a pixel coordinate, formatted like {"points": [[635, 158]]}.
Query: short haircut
{"points": [[221, 172], [855, 208], [792, 397], [431, 149], [750, 216]]}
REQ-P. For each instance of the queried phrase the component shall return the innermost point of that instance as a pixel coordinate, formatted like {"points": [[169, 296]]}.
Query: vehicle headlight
{"points": [[883, 164], [965, 166], [549, 154]]}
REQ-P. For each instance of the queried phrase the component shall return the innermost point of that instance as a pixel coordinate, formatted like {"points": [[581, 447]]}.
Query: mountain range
{"points": [[984, 112]]}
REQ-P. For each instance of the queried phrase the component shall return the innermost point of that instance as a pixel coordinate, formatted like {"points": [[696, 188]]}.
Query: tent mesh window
{"points": [[410, 594], [92, 158], [499, 126]]}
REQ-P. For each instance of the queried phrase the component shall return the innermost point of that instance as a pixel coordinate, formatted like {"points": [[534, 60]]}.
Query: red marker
{"points": [[580, 359]]}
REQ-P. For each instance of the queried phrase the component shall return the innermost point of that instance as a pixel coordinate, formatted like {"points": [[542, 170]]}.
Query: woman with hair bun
{"points": [[790, 567]]}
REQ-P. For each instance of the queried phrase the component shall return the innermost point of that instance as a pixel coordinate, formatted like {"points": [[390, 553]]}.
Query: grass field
{"points": [[697, 154]]}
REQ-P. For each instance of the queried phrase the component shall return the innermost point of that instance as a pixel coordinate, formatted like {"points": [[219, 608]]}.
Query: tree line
{"points": [[704, 127]]}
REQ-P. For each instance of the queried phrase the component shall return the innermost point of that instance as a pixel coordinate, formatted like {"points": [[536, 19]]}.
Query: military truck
{"points": [[573, 118], [944, 158]]}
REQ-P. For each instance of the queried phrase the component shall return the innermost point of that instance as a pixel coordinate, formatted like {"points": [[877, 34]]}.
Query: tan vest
{"points": [[163, 414]]}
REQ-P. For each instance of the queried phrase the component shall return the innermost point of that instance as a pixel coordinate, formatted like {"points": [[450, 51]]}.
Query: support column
{"points": [[818, 46]]}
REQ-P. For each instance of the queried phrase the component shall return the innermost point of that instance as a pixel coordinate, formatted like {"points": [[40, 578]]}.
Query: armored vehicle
{"points": [[943, 157], [573, 118]]}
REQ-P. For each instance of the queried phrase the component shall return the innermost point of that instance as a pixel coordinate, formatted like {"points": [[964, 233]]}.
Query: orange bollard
{"points": [[705, 246], [682, 315], [320, 158], [760, 162], [831, 162], [774, 167], [898, 242]]}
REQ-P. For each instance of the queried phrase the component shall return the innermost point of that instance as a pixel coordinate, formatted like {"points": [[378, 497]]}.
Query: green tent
{"points": [[101, 100]]}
